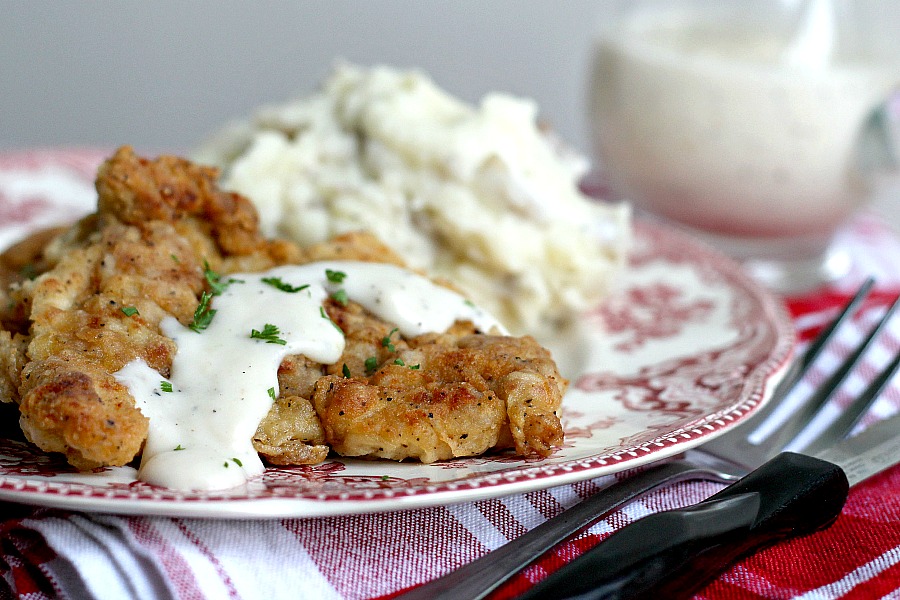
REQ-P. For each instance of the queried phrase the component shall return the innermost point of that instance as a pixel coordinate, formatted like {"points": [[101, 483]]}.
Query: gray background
{"points": [[161, 75]]}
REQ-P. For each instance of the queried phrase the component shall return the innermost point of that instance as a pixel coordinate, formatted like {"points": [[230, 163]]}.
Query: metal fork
{"points": [[724, 459]]}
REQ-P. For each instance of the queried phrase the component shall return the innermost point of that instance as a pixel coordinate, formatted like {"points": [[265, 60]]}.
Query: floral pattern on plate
{"points": [[684, 348]]}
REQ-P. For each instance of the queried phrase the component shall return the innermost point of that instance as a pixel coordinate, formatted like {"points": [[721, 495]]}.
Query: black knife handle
{"points": [[672, 554]]}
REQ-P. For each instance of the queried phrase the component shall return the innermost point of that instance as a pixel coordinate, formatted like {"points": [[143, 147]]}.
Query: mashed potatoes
{"points": [[477, 195]]}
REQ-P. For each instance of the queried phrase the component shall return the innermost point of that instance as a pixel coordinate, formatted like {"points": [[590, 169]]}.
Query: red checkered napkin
{"points": [[48, 553]]}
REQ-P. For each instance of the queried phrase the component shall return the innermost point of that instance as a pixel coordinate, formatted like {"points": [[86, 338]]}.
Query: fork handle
{"points": [[673, 554]]}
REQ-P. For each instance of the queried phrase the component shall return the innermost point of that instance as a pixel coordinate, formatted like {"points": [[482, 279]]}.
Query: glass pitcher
{"points": [[758, 126]]}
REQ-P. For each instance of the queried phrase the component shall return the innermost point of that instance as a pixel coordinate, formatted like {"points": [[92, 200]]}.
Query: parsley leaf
{"points": [[130, 311], [203, 315], [165, 386], [340, 297], [371, 364], [346, 371], [335, 276], [276, 282], [386, 341], [269, 334], [215, 280], [325, 316], [29, 271], [271, 392]]}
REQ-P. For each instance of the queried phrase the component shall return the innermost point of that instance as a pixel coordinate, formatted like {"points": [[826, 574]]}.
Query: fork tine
{"points": [[850, 416], [798, 420], [815, 348], [737, 446], [802, 365]]}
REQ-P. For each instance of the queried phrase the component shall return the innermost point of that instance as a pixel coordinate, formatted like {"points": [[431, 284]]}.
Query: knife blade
{"points": [[672, 554]]}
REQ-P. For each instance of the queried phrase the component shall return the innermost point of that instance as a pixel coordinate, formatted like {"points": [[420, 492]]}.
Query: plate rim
{"points": [[519, 479]]}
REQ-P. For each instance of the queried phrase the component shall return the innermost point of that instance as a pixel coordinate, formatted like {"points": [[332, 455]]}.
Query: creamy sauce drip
{"points": [[223, 381]]}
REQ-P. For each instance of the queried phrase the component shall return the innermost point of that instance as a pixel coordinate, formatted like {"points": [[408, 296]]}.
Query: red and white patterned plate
{"points": [[683, 351]]}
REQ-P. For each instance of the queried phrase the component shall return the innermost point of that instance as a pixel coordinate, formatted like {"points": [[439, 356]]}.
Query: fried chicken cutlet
{"points": [[162, 239]]}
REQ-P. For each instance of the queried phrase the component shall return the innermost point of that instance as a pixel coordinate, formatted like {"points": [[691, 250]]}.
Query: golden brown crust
{"points": [[102, 287], [437, 396], [170, 188], [76, 409], [106, 284], [12, 361], [291, 434], [20, 262]]}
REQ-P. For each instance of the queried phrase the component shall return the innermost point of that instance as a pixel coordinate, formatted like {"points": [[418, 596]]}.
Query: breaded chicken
{"points": [[431, 397], [95, 295], [445, 395]]}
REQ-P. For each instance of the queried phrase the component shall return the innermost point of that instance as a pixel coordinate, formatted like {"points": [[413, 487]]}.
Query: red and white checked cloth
{"points": [[46, 553]]}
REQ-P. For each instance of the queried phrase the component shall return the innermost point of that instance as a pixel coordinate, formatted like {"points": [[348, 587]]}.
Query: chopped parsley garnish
{"points": [[271, 392], [269, 334], [371, 364], [130, 311], [225, 464], [276, 282], [340, 297], [237, 462], [215, 280], [386, 341], [203, 315], [385, 477], [346, 371], [401, 363], [335, 276], [178, 447], [325, 316], [165, 386], [175, 258], [469, 303], [29, 271]]}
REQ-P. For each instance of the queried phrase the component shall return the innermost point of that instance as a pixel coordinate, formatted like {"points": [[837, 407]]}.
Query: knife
{"points": [[672, 554]]}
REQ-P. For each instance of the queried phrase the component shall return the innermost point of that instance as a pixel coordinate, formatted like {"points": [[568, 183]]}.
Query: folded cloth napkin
{"points": [[50, 553]]}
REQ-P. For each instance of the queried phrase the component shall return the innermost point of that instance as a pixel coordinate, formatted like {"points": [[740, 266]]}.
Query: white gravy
{"points": [[715, 129], [223, 381]]}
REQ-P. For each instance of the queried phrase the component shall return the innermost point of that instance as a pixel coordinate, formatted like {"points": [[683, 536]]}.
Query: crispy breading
{"points": [[12, 361], [101, 288], [444, 396], [291, 434], [436, 396], [106, 284]]}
